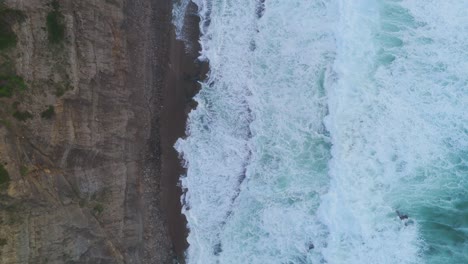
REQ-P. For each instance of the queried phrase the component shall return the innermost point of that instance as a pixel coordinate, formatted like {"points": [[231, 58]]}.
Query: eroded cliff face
{"points": [[83, 164]]}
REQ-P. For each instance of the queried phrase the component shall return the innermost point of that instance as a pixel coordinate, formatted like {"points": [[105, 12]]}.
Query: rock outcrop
{"points": [[84, 164]]}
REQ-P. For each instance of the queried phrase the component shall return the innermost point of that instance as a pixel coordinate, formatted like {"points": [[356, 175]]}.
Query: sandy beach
{"points": [[173, 71]]}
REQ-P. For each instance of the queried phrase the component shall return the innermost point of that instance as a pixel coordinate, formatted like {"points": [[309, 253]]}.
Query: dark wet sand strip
{"points": [[181, 85]]}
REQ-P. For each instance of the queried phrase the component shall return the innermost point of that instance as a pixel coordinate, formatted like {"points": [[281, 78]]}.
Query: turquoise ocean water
{"points": [[329, 131]]}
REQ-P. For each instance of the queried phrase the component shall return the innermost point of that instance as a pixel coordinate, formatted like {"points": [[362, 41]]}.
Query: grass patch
{"points": [[9, 84], [4, 176], [48, 113], [55, 24], [22, 115]]}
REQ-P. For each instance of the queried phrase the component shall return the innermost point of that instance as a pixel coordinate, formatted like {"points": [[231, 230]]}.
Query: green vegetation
{"points": [[9, 14], [22, 115], [4, 176], [5, 122], [48, 113], [10, 84], [7, 36], [24, 170], [55, 24], [98, 209], [59, 91], [8, 17], [62, 87]]}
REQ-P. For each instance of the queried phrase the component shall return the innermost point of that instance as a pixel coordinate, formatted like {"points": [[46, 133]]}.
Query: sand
{"points": [[180, 86]]}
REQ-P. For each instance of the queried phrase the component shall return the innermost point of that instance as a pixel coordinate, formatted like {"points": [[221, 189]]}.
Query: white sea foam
{"points": [[260, 117], [384, 82], [216, 149], [363, 225], [179, 13], [273, 219], [398, 97]]}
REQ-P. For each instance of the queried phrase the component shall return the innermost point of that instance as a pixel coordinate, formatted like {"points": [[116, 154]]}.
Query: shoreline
{"points": [[97, 180], [180, 86]]}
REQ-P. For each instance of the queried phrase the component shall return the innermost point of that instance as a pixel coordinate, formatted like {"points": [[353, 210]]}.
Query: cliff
{"points": [[79, 131]]}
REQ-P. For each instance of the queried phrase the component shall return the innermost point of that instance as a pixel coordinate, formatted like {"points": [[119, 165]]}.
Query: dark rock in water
{"points": [[311, 246], [402, 216], [252, 45], [217, 249], [260, 10]]}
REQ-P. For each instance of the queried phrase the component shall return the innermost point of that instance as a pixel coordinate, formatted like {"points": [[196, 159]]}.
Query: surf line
{"points": [[218, 248]]}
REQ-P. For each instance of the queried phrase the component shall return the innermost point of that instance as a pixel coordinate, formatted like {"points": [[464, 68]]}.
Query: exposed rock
{"points": [[85, 182]]}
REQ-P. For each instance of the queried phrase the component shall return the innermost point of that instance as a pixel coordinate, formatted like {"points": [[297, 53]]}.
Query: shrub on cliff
{"points": [[24, 170], [55, 24], [97, 210], [7, 36], [48, 113], [22, 115], [10, 84], [8, 16], [4, 176]]}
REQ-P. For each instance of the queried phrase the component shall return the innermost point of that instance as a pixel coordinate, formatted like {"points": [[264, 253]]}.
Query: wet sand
{"points": [[180, 86]]}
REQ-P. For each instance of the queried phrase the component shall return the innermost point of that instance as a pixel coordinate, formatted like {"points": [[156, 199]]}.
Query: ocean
{"points": [[328, 131]]}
